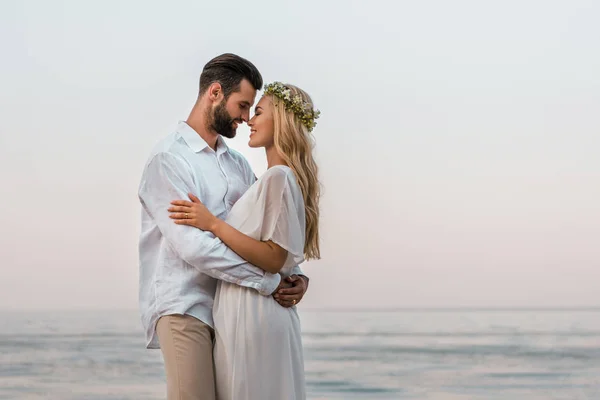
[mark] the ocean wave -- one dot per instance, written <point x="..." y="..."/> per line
<point x="466" y="334"/>
<point x="359" y="352"/>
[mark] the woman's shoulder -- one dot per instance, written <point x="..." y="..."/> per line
<point x="280" y="178"/>
<point x="277" y="173"/>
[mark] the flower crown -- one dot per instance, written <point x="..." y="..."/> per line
<point x="303" y="110"/>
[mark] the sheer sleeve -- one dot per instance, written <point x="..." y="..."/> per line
<point x="283" y="219"/>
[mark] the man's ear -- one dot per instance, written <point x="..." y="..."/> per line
<point x="215" y="91"/>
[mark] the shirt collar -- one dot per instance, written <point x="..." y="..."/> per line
<point x="221" y="145"/>
<point x="195" y="141"/>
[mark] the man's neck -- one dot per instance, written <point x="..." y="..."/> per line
<point x="198" y="122"/>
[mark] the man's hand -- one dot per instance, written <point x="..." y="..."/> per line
<point x="291" y="290"/>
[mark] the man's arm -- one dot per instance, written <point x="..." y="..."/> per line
<point x="167" y="178"/>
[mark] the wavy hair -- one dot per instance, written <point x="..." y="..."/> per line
<point x="295" y="144"/>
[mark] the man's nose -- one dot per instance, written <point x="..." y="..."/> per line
<point x="246" y="116"/>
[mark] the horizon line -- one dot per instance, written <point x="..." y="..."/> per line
<point x="351" y="309"/>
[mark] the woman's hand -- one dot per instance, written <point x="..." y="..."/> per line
<point x="192" y="213"/>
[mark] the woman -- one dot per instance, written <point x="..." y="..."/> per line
<point x="274" y="225"/>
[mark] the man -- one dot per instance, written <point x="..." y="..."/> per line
<point x="180" y="265"/>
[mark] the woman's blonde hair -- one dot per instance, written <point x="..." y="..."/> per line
<point x="295" y="144"/>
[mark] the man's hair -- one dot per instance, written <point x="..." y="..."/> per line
<point x="229" y="70"/>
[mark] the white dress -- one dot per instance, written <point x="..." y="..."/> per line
<point x="258" y="347"/>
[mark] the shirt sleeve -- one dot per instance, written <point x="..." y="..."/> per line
<point x="297" y="271"/>
<point x="167" y="178"/>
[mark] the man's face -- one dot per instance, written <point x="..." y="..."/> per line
<point x="228" y="114"/>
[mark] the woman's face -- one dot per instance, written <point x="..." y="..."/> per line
<point x="261" y="125"/>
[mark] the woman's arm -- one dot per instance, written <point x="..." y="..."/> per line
<point x="265" y="255"/>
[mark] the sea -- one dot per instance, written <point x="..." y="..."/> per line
<point x="447" y="354"/>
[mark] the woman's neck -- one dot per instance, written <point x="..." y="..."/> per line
<point x="273" y="157"/>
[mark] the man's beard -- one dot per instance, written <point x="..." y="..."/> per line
<point x="222" y="123"/>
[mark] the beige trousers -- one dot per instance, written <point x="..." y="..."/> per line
<point x="187" y="347"/>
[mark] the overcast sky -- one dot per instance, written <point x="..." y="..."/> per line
<point x="459" y="142"/>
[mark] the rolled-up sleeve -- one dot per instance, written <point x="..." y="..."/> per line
<point x="167" y="178"/>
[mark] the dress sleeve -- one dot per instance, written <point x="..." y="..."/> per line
<point x="283" y="215"/>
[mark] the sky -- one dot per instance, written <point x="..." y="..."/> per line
<point x="458" y="145"/>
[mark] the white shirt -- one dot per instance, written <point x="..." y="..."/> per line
<point x="179" y="263"/>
